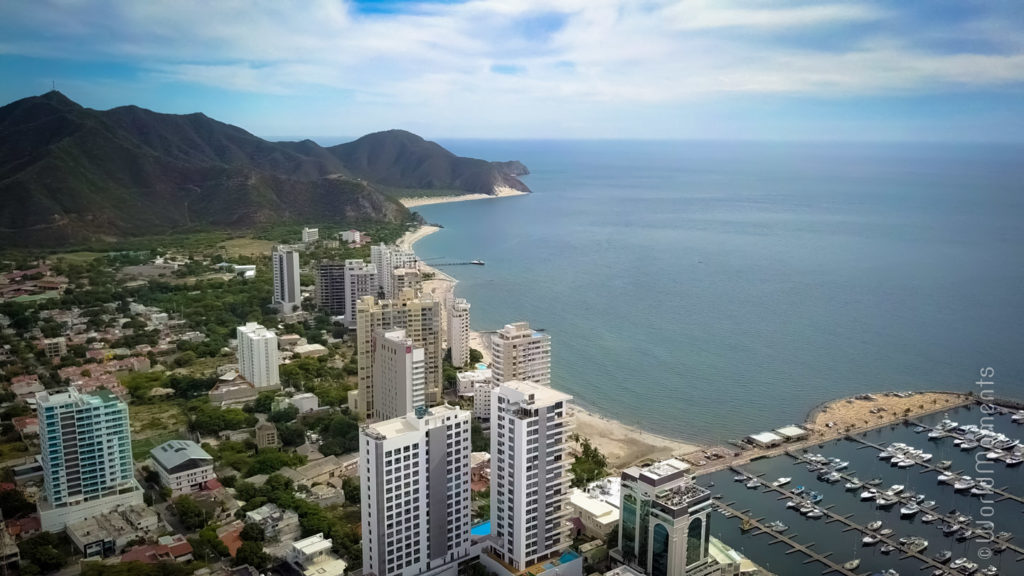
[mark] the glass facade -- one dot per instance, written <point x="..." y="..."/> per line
<point x="694" y="539"/>
<point x="628" y="526"/>
<point x="659" y="551"/>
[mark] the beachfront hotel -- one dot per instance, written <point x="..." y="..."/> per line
<point x="663" y="526"/>
<point x="258" y="358"/>
<point x="387" y="259"/>
<point x="287" y="297"/>
<point x="530" y="509"/>
<point x="458" y="331"/>
<point x="399" y="375"/>
<point x="420" y="317"/>
<point x="415" y="490"/>
<point x="520" y="353"/>
<point x="86" y="454"/>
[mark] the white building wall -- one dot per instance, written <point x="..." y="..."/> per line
<point x="399" y="385"/>
<point x="187" y="481"/>
<point x="258" y="357"/>
<point x="458" y="331"/>
<point x="520" y="353"/>
<point x="360" y="280"/>
<point x="287" y="296"/>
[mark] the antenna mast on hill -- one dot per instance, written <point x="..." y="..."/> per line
<point x="53" y="84"/>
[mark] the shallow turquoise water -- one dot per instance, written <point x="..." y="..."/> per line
<point x="711" y="290"/>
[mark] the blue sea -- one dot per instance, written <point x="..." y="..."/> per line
<point x="707" y="290"/>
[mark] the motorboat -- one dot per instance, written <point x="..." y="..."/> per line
<point x="909" y="510"/>
<point x="777" y="526"/>
<point x="916" y="545"/>
<point x="964" y="534"/>
<point x="946" y="477"/>
<point x="926" y="457"/>
<point x="944" y="464"/>
<point x="928" y="504"/>
<point x="903" y="462"/>
<point x="739" y="478"/>
<point x="875" y="525"/>
<point x="886" y="500"/>
<point x="1004" y="535"/>
<point x="815" y="497"/>
<point x="981" y="490"/>
<point x="852" y="564"/>
<point x="950" y="529"/>
<point x="1013" y="460"/>
<point x="929" y="518"/>
<point x="875" y="482"/>
<point x="895" y="489"/>
<point x="919" y="429"/>
<point x="989" y="570"/>
<point x="885" y="455"/>
<point x="969" y="445"/>
<point x="869" y="494"/>
<point x="964" y="483"/>
<point x="798" y="490"/>
<point x="942" y="557"/>
<point x="782" y="481"/>
<point x="886" y="548"/>
<point x="853" y="484"/>
<point x="753" y="483"/>
<point x="885" y="532"/>
<point x="870" y="540"/>
<point x="806" y="508"/>
<point x="833" y="478"/>
<point x="919" y="498"/>
<point x="815" y="513"/>
<point x="840" y="465"/>
<point x="794" y="503"/>
<point x="995" y="455"/>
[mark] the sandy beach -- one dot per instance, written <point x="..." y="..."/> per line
<point x="499" y="192"/>
<point x="849" y="414"/>
<point x="441" y="285"/>
<point x="625" y="445"/>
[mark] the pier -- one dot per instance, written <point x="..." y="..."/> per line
<point x="851" y="525"/>
<point x="794" y="546"/>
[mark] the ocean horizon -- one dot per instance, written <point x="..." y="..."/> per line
<point x="708" y="290"/>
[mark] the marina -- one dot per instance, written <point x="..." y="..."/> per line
<point x="924" y="526"/>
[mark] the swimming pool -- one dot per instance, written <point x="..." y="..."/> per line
<point x="482" y="529"/>
<point x="481" y="366"/>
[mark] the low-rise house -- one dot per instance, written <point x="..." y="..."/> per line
<point x="313" y="557"/>
<point x="266" y="435"/>
<point x="309" y="350"/>
<point x="597" y="517"/>
<point x="107" y="534"/>
<point x="183" y="466"/>
<point x="277" y="524"/>
<point x="324" y="470"/>
<point x="305" y="402"/>
<point x="26" y="426"/>
<point x="168" y="548"/>
<point x="232" y="390"/>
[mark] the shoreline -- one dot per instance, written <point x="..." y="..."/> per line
<point x="499" y="192"/>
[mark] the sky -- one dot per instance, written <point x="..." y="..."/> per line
<point x="905" y="70"/>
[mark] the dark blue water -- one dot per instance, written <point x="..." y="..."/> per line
<point x="710" y="290"/>
<point x="864" y="463"/>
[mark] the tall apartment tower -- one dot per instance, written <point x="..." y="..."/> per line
<point x="519" y="353"/>
<point x="330" y="286"/>
<point x="458" y="331"/>
<point x="310" y="234"/>
<point x="86" y="456"/>
<point x="663" y="528"/>
<point x="258" y="358"/>
<point x="387" y="259"/>
<point x="420" y="317"/>
<point x="530" y="427"/>
<point x="287" y="297"/>
<point x="399" y="375"/>
<point x="406" y="278"/>
<point x="360" y="280"/>
<point x="414" y="478"/>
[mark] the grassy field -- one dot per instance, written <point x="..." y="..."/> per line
<point x="154" y="424"/>
<point x="77" y="257"/>
<point x="245" y="247"/>
<point x="13" y="450"/>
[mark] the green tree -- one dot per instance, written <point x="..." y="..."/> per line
<point x="252" y="532"/>
<point x="191" y="515"/>
<point x="42" y="551"/>
<point x="264" y="402"/>
<point x="252" y="553"/>
<point x="350" y="486"/>
<point x="589" y="466"/>
<point x="475" y="356"/>
<point x="480" y="440"/>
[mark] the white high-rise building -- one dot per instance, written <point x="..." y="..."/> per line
<point x="310" y="234"/>
<point x="415" y="483"/>
<point x="530" y="427"/>
<point x="86" y="453"/>
<point x="258" y="358"/>
<point x="399" y="375"/>
<point x="387" y="259"/>
<point x="458" y="331"/>
<point x="519" y="353"/>
<point x="287" y="297"/>
<point x="360" y="280"/>
<point x="420" y="317"/>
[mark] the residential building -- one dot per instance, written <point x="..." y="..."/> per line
<point x="167" y="549"/>
<point x="309" y="350"/>
<point x="183" y="466"/>
<point x="663" y="530"/>
<point x="406" y="278"/>
<point x="597" y="516"/>
<point x="351" y="236"/>
<point x="387" y="259"/>
<point x="108" y="533"/>
<point x="277" y="524"/>
<point x="415" y="484"/>
<point x="86" y="455"/>
<point x="287" y="296"/>
<point x="310" y="235"/>
<point x="479" y="385"/>
<point x="519" y="353"/>
<point x="360" y="280"/>
<point x="420" y="317"/>
<point x="530" y="476"/>
<point x="329" y="470"/>
<point x="313" y="557"/>
<point x="266" y="435"/>
<point x="258" y="357"/>
<point x="399" y="375"/>
<point x="330" y="287"/>
<point x="55" y="347"/>
<point x="458" y="331"/>
<point x="305" y="402"/>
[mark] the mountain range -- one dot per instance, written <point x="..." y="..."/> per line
<point x="70" y="174"/>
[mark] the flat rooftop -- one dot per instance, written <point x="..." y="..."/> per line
<point x="405" y="424"/>
<point x="541" y="394"/>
